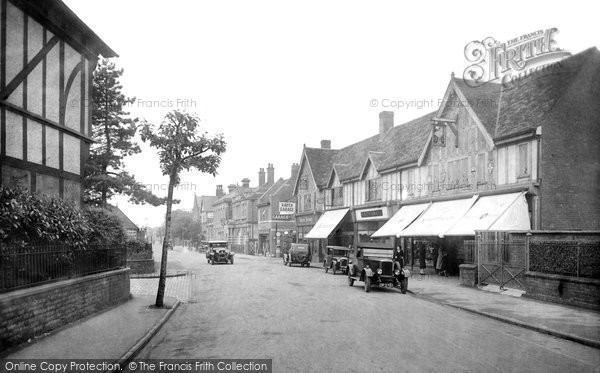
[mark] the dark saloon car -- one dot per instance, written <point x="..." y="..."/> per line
<point x="218" y="253"/>
<point x="375" y="267"/>
<point x="337" y="259"/>
<point x="298" y="253"/>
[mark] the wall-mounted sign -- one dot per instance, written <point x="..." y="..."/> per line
<point x="282" y="217"/>
<point x="379" y="213"/>
<point x="305" y="220"/>
<point x="287" y="208"/>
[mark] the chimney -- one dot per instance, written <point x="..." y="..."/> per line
<point x="270" y="174"/>
<point x="219" y="191"/>
<point x="295" y="169"/>
<point x="325" y="144"/>
<point x="245" y="183"/>
<point x="261" y="177"/>
<point x="386" y="122"/>
<point x="231" y="187"/>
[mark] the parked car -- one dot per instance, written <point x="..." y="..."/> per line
<point x="337" y="259"/>
<point x="218" y="253"/>
<point x="297" y="253"/>
<point x="374" y="266"/>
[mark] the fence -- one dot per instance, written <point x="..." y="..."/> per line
<point x="27" y="266"/>
<point x="569" y="258"/>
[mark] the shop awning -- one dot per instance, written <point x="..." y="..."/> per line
<point x="439" y="218"/>
<point x="327" y="223"/>
<point x="501" y="212"/>
<point x="404" y="216"/>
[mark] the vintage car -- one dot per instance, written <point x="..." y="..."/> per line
<point x="375" y="267"/>
<point x="218" y="253"/>
<point x="337" y="259"/>
<point x="297" y="253"/>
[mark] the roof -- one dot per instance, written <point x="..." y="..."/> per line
<point x="205" y="203"/>
<point x="524" y="105"/>
<point x="125" y="221"/>
<point x="401" y="145"/>
<point x="62" y="21"/>
<point x="265" y="198"/>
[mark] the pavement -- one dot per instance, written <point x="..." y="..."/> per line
<point x="115" y="334"/>
<point x="572" y="323"/>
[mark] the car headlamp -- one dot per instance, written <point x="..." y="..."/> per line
<point x="397" y="272"/>
<point x="379" y="271"/>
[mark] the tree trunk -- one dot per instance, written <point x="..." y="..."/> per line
<point x="160" y="295"/>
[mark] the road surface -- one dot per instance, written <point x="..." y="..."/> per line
<point x="309" y="321"/>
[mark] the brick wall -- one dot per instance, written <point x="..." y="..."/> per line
<point x="139" y="266"/>
<point x="468" y="275"/>
<point x="563" y="289"/>
<point x="570" y="155"/>
<point x="29" y="312"/>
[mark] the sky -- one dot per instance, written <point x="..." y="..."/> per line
<point x="273" y="76"/>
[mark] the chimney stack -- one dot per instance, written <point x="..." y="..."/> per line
<point x="231" y="187"/>
<point x="220" y="191"/>
<point x="295" y="169"/>
<point x="386" y="122"/>
<point x="261" y="177"/>
<point x="245" y="183"/>
<point x="270" y="174"/>
<point x="325" y="144"/>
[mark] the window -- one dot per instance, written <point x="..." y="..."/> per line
<point x="337" y="195"/>
<point x="373" y="189"/>
<point x="523" y="170"/>
<point x="480" y="168"/>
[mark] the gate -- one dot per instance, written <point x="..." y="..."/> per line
<point x="501" y="261"/>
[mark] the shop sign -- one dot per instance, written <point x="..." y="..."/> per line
<point x="287" y="208"/>
<point x="305" y="220"/>
<point x="380" y="213"/>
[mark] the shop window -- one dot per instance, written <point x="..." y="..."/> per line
<point x="523" y="170"/>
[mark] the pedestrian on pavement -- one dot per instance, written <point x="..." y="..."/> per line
<point x="444" y="263"/>
<point x="438" y="265"/>
<point x="422" y="263"/>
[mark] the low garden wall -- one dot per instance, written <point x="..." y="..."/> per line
<point x="33" y="311"/>
<point x="139" y="257"/>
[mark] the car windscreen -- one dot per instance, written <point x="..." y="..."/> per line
<point x="340" y="252"/>
<point x="219" y="245"/>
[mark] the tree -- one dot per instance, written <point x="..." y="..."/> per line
<point x="181" y="147"/>
<point x="113" y="132"/>
<point x="184" y="226"/>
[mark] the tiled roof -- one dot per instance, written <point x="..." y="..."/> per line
<point x="206" y="202"/>
<point x="270" y="191"/>
<point x="320" y="161"/>
<point x="524" y="105"/>
<point x="127" y="223"/>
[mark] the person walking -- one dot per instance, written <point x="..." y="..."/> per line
<point x="422" y="256"/>
<point x="444" y="263"/>
<point x="438" y="265"/>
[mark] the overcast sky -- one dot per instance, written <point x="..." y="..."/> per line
<point x="274" y="75"/>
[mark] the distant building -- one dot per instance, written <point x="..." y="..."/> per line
<point x="276" y="228"/>
<point x="203" y="214"/>
<point x="47" y="58"/>
<point x="131" y="229"/>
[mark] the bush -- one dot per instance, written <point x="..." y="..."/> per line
<point x="137" y="249"/>
<point x="30" y="218"/>
<point x="105" y="227"/>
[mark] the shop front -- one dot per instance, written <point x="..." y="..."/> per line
<point x="323" y="229"/>
<point x="433" y="234"/>
<point x="367" y="222"/>
<point x="304" y="224"/>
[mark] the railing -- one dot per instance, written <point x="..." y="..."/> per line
<point x="28" y="266"/>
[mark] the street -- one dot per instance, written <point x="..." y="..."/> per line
<point x="309" y="321"/>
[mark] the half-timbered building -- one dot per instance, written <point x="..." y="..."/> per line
<point x="47" y="57"/>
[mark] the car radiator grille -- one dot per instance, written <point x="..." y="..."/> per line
<point x="387" y="268"/>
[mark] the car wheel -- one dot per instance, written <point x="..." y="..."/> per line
<point x="350" y="281"/>
<point x="367" y="284"/>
